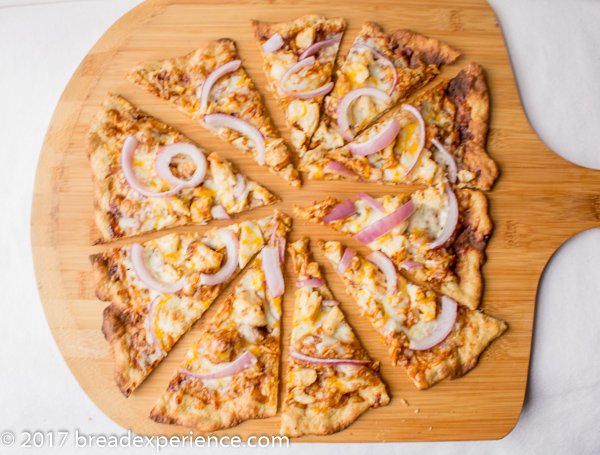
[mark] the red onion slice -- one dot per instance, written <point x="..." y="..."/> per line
<point x="347" y="257"/>
<point x="386" y="61"/>
<point x="329" y="303"/>
<point x="247" y="359"/>
<point x="410" y="264"/>
<point x="384" y="138"/>
<point x="305" y="358"/>
<point x="310" y="61"/>
<point x="232" y="245"/>
<point x="448" y="159"/>
<point x="312" y="282"/>
<point x="345" y="102"/>
<point x="150" y="327"/>
<point x="417" y="114"/>
<point x="240" y="186"/>
<point x="385" y="224"/>
<point x="282" y="243"/>
<point x="446" y="322"/>
<point x="213" y="77"/>
<point x="164" y="157"/>
<point x="342" y="210"/>
<point x="218" y="212"/>
<point x="145" y="275"/>
<point x="272" y="271"/>
<point x="451" y="220"/>
<point x="387" y="267"/>
<point x="336" y="167"/>
<point x="273" y="44"/>
<point x="314" y="48"/>
<point x="129" y="147"/>
<point x="372" y="202"/>
<point x="242" y="127"/>
<point x="273" y="236"/>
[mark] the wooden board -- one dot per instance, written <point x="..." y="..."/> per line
<point x="528" y="207"/>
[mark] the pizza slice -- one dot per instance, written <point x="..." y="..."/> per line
<point x="211" y="86"/>
<point x="231" y="373"/>
<point x="435" y="236"/>
<point x="380" y="71"/>
<point x="331" y="380"/>
<point x="148" y="176"/>
<point x="454" y="116"/>
<point x="160" y="288"/>
<point x="429" y="335"/>
<point x="298" y="59"/>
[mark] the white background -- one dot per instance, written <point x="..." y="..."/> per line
<point x="554" y="48"/>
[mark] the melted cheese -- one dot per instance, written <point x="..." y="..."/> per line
<point x="388" y="313"/>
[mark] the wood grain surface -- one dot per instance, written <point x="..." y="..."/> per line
<point x="539" y="202"/>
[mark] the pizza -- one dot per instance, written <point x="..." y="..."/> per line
<point x="437" y="136"/>
<point x="147" y="176"/>
<point x="231" y="372"/>
<point x="456" y="113"/>
<point x="331" y="379"/>
<point x="363" y="117"/>
<point x="380" y="71"/>
<point x="436" y="236"/>
<point x="211" y="86"/>
<point x="298" y="59"/>
<point x="429" y="335"/>
<point x="158" y="289"/>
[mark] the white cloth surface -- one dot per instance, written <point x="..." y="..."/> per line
<point x="554" y="49"/>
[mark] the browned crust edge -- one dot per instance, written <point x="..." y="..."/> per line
<point x="413" y="46"/>
<point x="469" y="93"/>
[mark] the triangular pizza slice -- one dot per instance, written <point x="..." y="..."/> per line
<point x="454" y="116"/>
<point x="298" y="59"/>
<point x="158" y="289"/>
<point x="148" y="176"/>
<point x="231" y="372"/>
<point x="380" y="71"/>
<point x="435" y="236"/>
<point x="211" y="86"/>
<point x="331" y="380"/>
<point x="430" y="336"/>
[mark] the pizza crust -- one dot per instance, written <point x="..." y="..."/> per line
<point x="115" y="201"/>
<point x="125" y="319"/>
<point x="473" y="331"/>
<point x="177" y="80"/>
<point x="468" y="248"/>
<point x="417" y="60"/>
<point x="323" y="399"/>
<point x="457" y="354"/>
<point x="302" y="115"/>
<point x="469" y="92"/>
<point x="248" y="321"/>
<point x="462" y="279"/>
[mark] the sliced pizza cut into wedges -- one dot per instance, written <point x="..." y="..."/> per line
<point x="148" y="176"/>
<point x="211" y="86"/>
<point x="231" y="373"/>
<point x="435" y="236"/>
<point x="454" y="116"/>
<point x="430" y="336"/>
<point x="380" y="71"/>
<point x="298" y="59"/>
<point x="158" y="289"/>
<point x="331" y="380"/>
